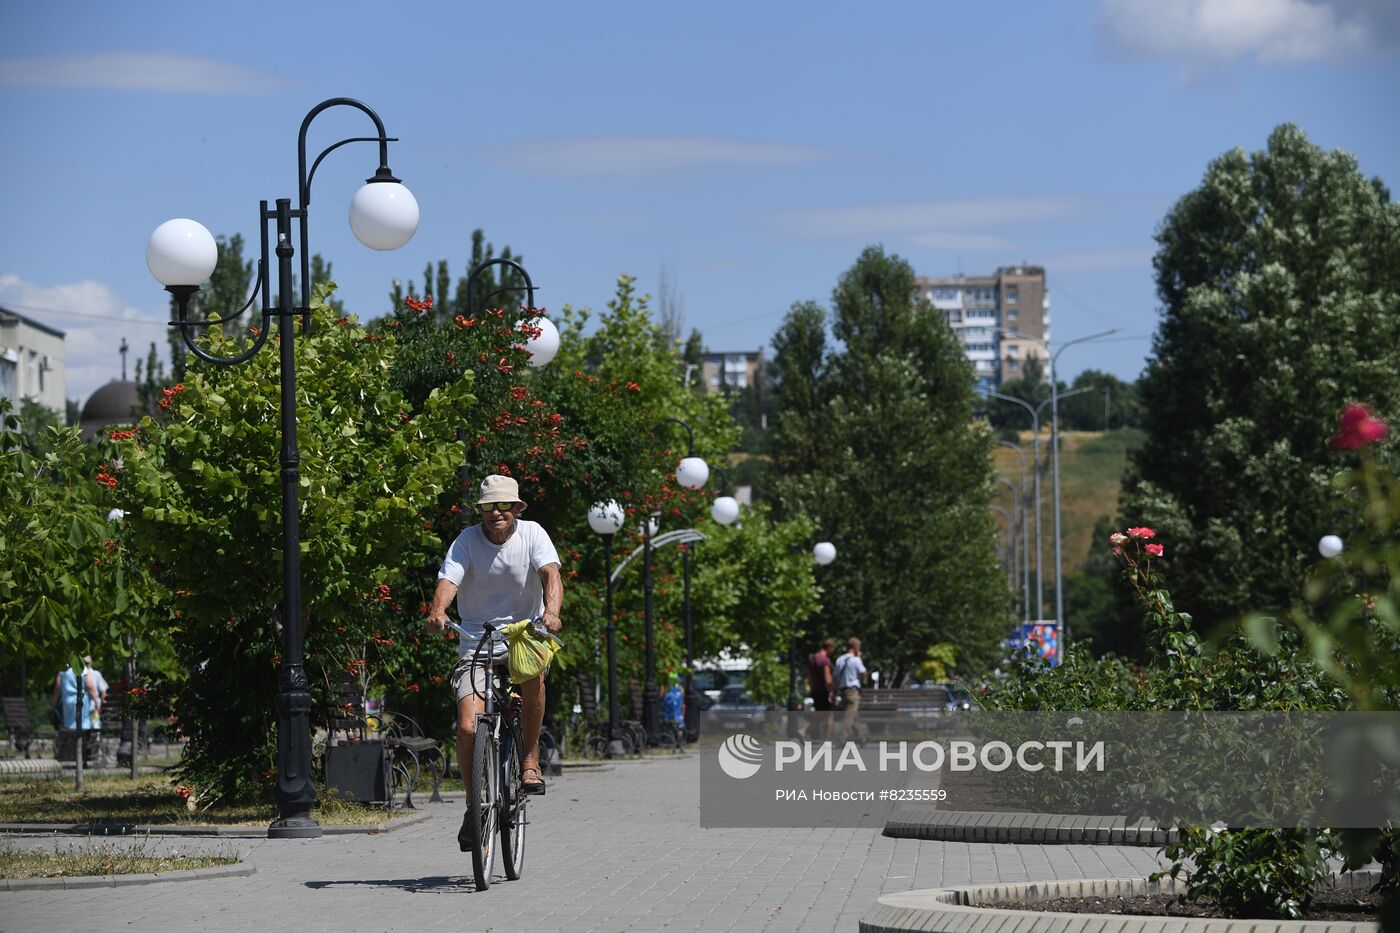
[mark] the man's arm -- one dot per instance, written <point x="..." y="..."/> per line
<point x="442" y="598"/>
<point x="826" y="673"/>
<point x="553" y="582"/>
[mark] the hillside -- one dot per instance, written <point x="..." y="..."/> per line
<point x="1091" y="472"/>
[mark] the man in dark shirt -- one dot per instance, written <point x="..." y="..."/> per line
<point x="819" y="676"/>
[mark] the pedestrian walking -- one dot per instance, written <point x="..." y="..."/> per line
<point x="850" y="675"/>
<point x="819" y="681"/>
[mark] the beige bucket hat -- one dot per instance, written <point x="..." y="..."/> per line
<point x="497" y="488"/>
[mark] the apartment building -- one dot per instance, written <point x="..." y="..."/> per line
<point x="994" y="316"/>
<point x="31" y="362"/>
<point x="733" y="370"/>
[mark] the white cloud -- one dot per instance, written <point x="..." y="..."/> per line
<point x="971" y="242"/>
<point x="137" y="71"/>
<point x="1204" y="34"/>
<point x="653" y="155"/>
<point x="90" y="341"/>
<point x="922" y="216"/>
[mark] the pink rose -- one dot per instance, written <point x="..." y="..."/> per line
<point x="1118" y="538"/>
<point x="1142" y="532"/>
<point x="1358" y="428"/>
<point x="1156" y="550"/>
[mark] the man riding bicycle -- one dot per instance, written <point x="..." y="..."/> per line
<point x="500" y="571"/>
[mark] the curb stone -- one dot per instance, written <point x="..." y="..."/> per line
<point x="234" y="832"/>
<point x="956" y="910"/>
<point x="1023" y="828"/>
<point x="240" y="870"/>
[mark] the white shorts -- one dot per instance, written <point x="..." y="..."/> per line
<point x="469" y="679"/>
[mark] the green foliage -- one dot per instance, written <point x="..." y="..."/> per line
<point x="1244" y="872"/>
<point x="1280" y="302"/>
<point x="876" y="442"/>
<point x="1263" y="873"/>
<point x="1349" y="618"/>
<point x="67" y="584"/>
<point x="1107" y="395"/>
<point x="35" y="421"/>
<point x="939" y="661"/>
<point x="203" y="495"/>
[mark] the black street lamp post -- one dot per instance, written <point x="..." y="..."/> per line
<point x="181" y="254"/>
<point x="692" y="472"/>
<point x="606" y="518"/>
<point x="823" y="552"/>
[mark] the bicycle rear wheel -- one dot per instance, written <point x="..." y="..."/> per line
<point x="483" y="803"/>
<point x="512" y="804"/>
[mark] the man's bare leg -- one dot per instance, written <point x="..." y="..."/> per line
<point x="531" y="716"/>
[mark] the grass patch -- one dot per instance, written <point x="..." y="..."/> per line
<point x="148" y="800"/>
<point x="101" y="860"/>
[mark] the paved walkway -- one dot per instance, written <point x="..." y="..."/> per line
<point x="616" y="849"/>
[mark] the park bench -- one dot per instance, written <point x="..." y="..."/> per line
<point x="19" y="729"/>
<point x="373" y="759"/>
<point x="904" y="698"/>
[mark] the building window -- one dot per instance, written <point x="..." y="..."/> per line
<point x="1013" y="365"/>
<point x="8" y="369"/>
<point x="1012" y="293"/>
<point x="1012" y="315"/>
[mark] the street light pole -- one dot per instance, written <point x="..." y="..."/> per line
<point x="606" y="518"/>
<point x="1018" y="509"/>
<point x="1055" y="453"/>
<point x="1025" y="540"/>
<point x="1035" y="473"/>
<point x="692" y="472"/>
<point x="182" y="255"/>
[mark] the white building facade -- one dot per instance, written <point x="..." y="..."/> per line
<point x="31" y="362"/>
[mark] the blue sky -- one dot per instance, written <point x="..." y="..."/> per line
<point x="752" y="149"/>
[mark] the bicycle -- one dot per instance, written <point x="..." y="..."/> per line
<point x="494" y="798"/>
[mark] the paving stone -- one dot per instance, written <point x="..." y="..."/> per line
<point x="628" y="855"/>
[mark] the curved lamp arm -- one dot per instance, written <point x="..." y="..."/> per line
<point x="183" y="293"/>
<point x="528" y="287"/>
<point x="304" y="189"/>
<point x="690" y="435"/>
<point x="304" y="179"/>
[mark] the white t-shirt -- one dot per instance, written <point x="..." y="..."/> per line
<point x="497" y="583"/>
<point x="848" y="671"/>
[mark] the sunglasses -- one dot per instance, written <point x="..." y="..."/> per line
<point x="495" y="506"/>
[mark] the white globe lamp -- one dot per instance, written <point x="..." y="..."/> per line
<point x="725" y="510"/>
<point x="1329" y="546"/>
<point x="824" y="553"/>
<point x="543" y="348"/>
<point x="692" y="473"/>
<point x="384" y="215"/>
<point x="606" y="518"/>
<point x="181" y="252"/>
<point x="651" y="527"/>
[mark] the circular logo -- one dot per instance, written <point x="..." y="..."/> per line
<point x="740" y="756"/>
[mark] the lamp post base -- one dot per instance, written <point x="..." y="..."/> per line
<point x="615" y="749"/>
<point x="297" y="826"/>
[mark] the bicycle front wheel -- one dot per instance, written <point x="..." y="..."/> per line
<point x="512" y="804"/>
<point x="483" y="803"/>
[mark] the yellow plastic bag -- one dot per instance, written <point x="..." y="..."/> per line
<point x="528" y="654"/>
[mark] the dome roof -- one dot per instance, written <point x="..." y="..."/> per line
<point x="118" y="402"/>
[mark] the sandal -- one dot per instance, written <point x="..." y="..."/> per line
<point x="528" y="786"/>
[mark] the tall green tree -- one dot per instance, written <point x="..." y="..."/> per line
<point x="1278" y="282"/>
<point x="1109" y="404"/>
<point x="876" y="443"/>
